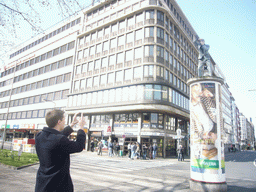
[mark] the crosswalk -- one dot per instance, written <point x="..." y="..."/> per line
<point x="115" y="164"/>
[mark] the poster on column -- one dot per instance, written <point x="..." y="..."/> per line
<point x="204" y="147"/>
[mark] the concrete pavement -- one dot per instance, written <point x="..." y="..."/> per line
<point x="91" y="172"/>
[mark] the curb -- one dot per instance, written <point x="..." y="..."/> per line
<point x="17" y="168"/>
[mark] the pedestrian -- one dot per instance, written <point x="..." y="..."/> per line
<point x="150" y="150"/>
<point x="53" y="149"/>
<point x="114" y="148"/>
<point x="180" y="153"/>
<point x="133" y="149"/>
<point x="145" y="149"/>
<point x="100" y="146"/>
<point x="110" y="148"/>
<point x="154" y="150"/>
<point x="92" y="145"/>
<point x="137" y="152"/>
<point x="129" y="150"/>
<point x="117" y="149"/>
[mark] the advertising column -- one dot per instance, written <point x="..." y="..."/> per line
<point x="207" y="150"/>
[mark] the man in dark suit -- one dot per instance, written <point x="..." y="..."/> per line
<point x="53" y="149"/>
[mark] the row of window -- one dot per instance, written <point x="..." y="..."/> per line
<point x="139" y="34"/>
<point x="53" y="96"/>
<point x="137" y="19"/>
<point x="39" y="58"/>
<point x="24" y="114"/>
<point x="127" y="58"/>
<point x="127" y="75"/>
<point x="48" y="36"/>
<point x="127" y="40"/>
<point x="44" y="69"/>
<point x="133" y="93"/>
<point x="37" y="85"/>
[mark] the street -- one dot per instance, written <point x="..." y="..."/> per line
<point x="91" y="172"/>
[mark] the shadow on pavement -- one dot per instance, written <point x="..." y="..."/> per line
<point x="240" y="189"/>
<point x="240" y="156"/>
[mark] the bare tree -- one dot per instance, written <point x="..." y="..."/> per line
<point x="18" y="17"/>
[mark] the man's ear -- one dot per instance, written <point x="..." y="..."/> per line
<point x="59" y="121"/>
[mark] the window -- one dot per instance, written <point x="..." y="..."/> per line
<point x="121" y="40"/>
<point x="96" y="81"/>
<point x="91" y="66"/>
<point x="59" y="79"/>
<point x="120" y="57"/>
<point x="111" y="78"/>
<point x="149" y="51"/>
<point x="84" y="68"/>
<point x="97" y="64"/>
<point x="130" y="21"/>
<point x="157" y="92"/>
<point x="149" y="92"/>
<point x="106" y="46"/>
<point x="112" y="60"/>
<point x="119" y="76"/>
<point x="128" y="55"/>
<point x="100" y="33"/>
<point x="150" y="14"/>
<point x="160" y="16"/>
<point x="139" y="18"/>
<point x="107" y="31"/>
<point x="114" y="28"/>
<point x="130" y="37"/>
<point x="104" y="62"/>
<point x="149" y="32"/>
<point x="78" y="69"/>
<point x="160" y="51"/>
<point x="113" y="43"/>
<point x="138" y="53"/>
<point x="138" y="72"/>
<point x="122" y="25"/>
<point x="139" y="35"/>
<point x="148" y="70"/>
<point x="160" y="33"/>
<point x="89" y="82"/>
<point x="103" y="79"/>
<point x="99" y="48"/>
<point x="128" y="74"/>
<point x="92" y="50"/>
<point x="93" y="37"/>
<point x="86" y="52"/>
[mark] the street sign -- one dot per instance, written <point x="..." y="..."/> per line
<point x="123" y="136"/>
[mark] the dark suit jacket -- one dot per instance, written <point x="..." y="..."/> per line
<point x="53" y="149"/>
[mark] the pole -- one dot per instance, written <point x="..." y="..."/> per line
<point x="8" y="109"/>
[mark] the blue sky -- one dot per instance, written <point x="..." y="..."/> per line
<point x="229" y="27"/>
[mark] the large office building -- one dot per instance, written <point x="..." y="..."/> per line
<point x="132" y="61"/>
<point x="37" y="78"/>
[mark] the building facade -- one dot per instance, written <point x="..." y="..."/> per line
<point x="131" y="66"/>
<point x="37" y="78"/>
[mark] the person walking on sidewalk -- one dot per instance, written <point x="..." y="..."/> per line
<point x="150" y="150"/>
<point x="154" y="150"/>
<point x="133" y="149"/>
<point x="117" y="149"/>
<point x="100" y="146"/>
<point x="180" y="153"/>
<point x="144" y="149"/>
<point x="92" y="146"/>
<point x="110" y="149"/>
<point x="53" y="149"/>
<point x="129" y="150"/>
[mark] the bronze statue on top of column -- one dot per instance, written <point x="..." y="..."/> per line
<point x="205" y="67"/>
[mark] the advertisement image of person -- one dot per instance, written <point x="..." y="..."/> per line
<point x="203" y="124"/>
<point x="53" y="149"/>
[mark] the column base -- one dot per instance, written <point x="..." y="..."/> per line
<point x="207" y="187"/>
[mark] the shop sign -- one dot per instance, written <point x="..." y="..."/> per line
<point x="27" y="126"/>
<point x="7" y="126"/>
<point x="152" y="134"/>
<point x="96" y="133"/>
<point x="16" y="126"/>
